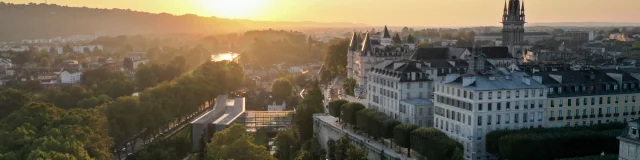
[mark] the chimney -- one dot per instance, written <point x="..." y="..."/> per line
<point x="419" y="65"/>
<point x="491" y="77"/>
<point x="413" y="76"/>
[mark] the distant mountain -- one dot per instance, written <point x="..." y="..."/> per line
<point x="586" y="24"/>
<point x="29" y="21"/>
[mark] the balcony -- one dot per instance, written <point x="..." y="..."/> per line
<point x="633" y="113"/>
<point x="576" y="117"/>
<point x="552" y="118"/>
<point x="625" y="113"/>
<point x="616" y="114"/>
<point x="560" y="118"/>
<point x="592" y="116"/>
<point x="569" y="117"/>
<point x="600" y="115"/>
<point x="608" y="115"/>
<point x="584" y="116"/>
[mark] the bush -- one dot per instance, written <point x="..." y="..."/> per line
<point x="492" y="138"/>
<point x="598" y="157"/>
<point x="335" y="107"/>
<point x="554" y="145"/>
<point x="349" y="111"/>
<point x="434" y="144"/>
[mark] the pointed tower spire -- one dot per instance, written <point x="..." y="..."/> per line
<point x="522" y="9"/>
<point x="353" y="45"/>
<point x="505" y="7"/>
<point x="366" y="44"/>
<point x="386" y="32"/>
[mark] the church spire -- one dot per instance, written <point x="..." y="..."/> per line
<point x="522" y="9"/>
<point x="505" y="8"/>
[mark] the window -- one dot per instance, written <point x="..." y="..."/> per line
<point x="561" y="103"/>
<point x="479" y="120"/>
<point x="489" y="107"/>
<point x="499" y="94"/>
<point x="526" y="93"/>
<point x="489" y="95"/>
<point x="552" y="114"/>
<point x="489" y="120"/>
<point x="507" y="118"/>
<point x="480" y="95"/>
<point x="608" y="110"/>
<point x="409" y="86"/>
<point x="608" y="100"/>
<point x="616" y="99"/>
<point x="553" y="103"/>
<point x="469" y="119"/>
<point x="498" y="119"/>
<point x="517" y="105"/>
<point x="633" y="98"/>
<point x="508" y="94"/>
<point x="568" y="113"/>
<point x="480" y="107"/>
<point x="593" y="100"/>
<point x="578" y="102"/>
<point x="615" y="110"/>
<point x="568" y="102"/>
<point x="516" y="117"/>
<point x="499" y="106"/>
<point x="560" y="113"/>
<point x="524" y="117"/>
<point x="600" y="102"/>
<point x="420" y="84"/>
<point x="592" y="111"/>
<point x="517" y="94"/>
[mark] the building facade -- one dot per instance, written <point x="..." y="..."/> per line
<point x="70" y="77"/>
<point x="630" y="142"/>
<point x="364" y="53"/>
<point x="589" y="97"/>
<point x="402" y="90"/>
<point x="469" y="106"/>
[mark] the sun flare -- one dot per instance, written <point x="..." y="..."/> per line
<point x="233" y="8"/>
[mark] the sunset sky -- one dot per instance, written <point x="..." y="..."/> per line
<point x="380" y="12"/>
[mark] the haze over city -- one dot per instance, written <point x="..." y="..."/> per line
<point x="438" y="13"/>
<point x="320" y="79"/>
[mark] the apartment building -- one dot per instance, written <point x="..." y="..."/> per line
<point x="588" y="97"/>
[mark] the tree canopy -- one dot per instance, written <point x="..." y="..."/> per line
<point x="282" y="88"/>
<point x="43" y="131"/>
<point x="235" y="143"/>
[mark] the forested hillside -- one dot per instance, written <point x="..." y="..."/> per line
<point x="28" y="21"/>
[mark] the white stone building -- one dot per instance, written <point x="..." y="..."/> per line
<point x="401" y="90"/>
<point x="630" y="142"/>
<point x="70" y="76"/>
<point x="364" y="53"/>
<point x="469" y="106"/>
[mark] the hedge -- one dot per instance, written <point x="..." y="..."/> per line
<point x="434" y="144"/>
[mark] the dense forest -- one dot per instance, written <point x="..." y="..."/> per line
<point x="28" y="21"/>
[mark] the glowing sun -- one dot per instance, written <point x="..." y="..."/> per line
<point x="233" y="8"/>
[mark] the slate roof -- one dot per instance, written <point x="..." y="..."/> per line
<point x="494" y="52"/>
<point x="431" y="53"/>
<point x="525" y="34"/>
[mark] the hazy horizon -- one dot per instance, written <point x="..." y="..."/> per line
<point x="435" y="13"/>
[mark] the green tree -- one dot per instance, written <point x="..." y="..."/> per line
<point x="12" y="100"/>
<point x="335" y="60"/>
<point x="401" y="136"/>
<point x="334" y="107"/>
<point x="43" y="131"/>
<point x="284" y="143"/>
<point x="311" y="104"/>
<point x="227" y="143"/>
<point x="424" y="45"/>
<point x="281" y="88"/>
<point x="349" y="111"/>
<point x="356" y="154"/>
